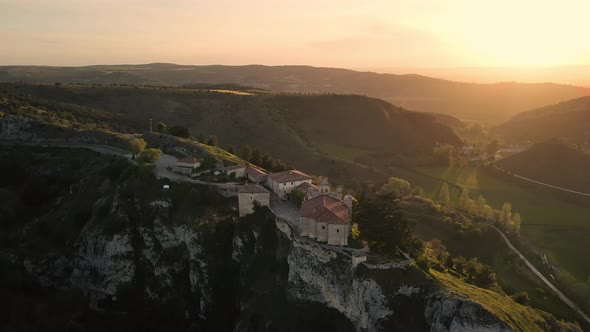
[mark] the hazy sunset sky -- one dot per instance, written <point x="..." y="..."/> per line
<point x="337" y="33"/>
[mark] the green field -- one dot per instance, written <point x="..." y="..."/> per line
<point x="512" y="275"/>
<point x="559" y="227"/>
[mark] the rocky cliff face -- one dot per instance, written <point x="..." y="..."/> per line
<point x="163" y="263"/>
<point x="180" y="259"/>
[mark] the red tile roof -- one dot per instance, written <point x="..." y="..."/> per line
<point x="289" y="176"/>
<point x="252" y="188"/>
<point x="325" y="208"/>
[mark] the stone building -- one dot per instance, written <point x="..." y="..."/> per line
<point x="283" y="183"/>
<point x="327" y="219"/>
<point x="256" y="174"/>
<point x="238" y="170"/>
<point x="187" y="165"/>
<point x="248" y="195"/>
<point x="323" y="185"/>
<point x="309" y="189"/>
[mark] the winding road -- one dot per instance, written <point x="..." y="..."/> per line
<point x="549" y="185"/>
<point x="564" y="298"/>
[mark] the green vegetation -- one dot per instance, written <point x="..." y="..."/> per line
<point x="180" y="131"/>
<point x="306" y="124"/>
<point x="555" y="162"/>
<point x="519" y="317"/>
<point x="382" y="224"/>
<point x="150" y="156"/>
<point x="567" y="120"/>
<point x="137" y="146"/>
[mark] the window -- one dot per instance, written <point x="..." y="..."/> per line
<point x="323" y="227"/>
<point x="337" y="231"/>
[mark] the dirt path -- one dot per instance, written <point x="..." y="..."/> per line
<point x="564" y="298"/>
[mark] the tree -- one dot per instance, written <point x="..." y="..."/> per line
<point x="201" y="138"/>
<point x="256" y="158"/>
<point x="180" y="131"/>
<point x="267" y="162"/>
<point x="212" y="140"/>
<point x="381" y="222"/>
<point x="464" y="199"/>
<point x="483" y="209"/>
<point x="492" y="147"/>
<point x="521" y="298"/>
<point x="150" y="156"/>
<point x="354" y="231"/>
<point x="298" y="196"/>
<point x="396" y="186"/>
<point x="444" y="155"/>
<point x="505" y="215"/>
<point x="280" y="166"/>
<point x="161" y="128"/>
<point x="137" y="145"/>
<point x="246" y="153"/>
<point x="231" y="149"/>
<point x="515" y="224"/>
<point x="443" y="196"/>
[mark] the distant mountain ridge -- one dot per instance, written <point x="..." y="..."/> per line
<point x="484" y="102"/>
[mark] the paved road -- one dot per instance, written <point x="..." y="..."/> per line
<point x="564" y="298"/>
<point x="287" y="211"/>
<point x="552" y="186"/>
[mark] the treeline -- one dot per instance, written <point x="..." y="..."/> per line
<point x="260" y="159"/>
<point x="380" y="222"/>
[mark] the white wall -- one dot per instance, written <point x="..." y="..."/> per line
<point x="338" y="234"/>
<point x="246" y="202"/>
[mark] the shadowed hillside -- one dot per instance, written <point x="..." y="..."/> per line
<point x="312" y="132"/>
<point x="569" y="120"/>
<point x="555" y="163"/>
<point x="488" y="102"/>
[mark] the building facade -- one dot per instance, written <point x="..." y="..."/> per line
<point x="186" y="165"/>
<point x="283" y="183"/>
<point x="238" y="170"/>
<point x="326" y="219"/>
<point x="249" y="195"/>
<point x="256" y="174"/>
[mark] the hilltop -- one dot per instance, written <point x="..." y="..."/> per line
<point x="483" y="102"/>
<point x="569" y="120"/>
<point x="106" y="248"/>
<point x="325" y="134"/>
<point x="554" y="162"/>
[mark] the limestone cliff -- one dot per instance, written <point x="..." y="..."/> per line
<point x="180" y="259"/>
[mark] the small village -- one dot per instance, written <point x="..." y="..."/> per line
<point x="325" y="214"/>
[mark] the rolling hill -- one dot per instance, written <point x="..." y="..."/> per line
<point x="482" y="102"/>
<point x="569" y="120"/>
<point x="324" y="134"/>
<point x="555" y="162"/>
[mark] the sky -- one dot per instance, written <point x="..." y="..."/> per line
<point x="386" y="35"/>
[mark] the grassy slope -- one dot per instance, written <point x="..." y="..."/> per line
<point x="569" y="120"/>
<point x="556" y="163"/>
<point x="558" y="226"/>
<point x="519" y="317"/>
<point x="491" y="102"/>
<point x="512" y="275"/>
